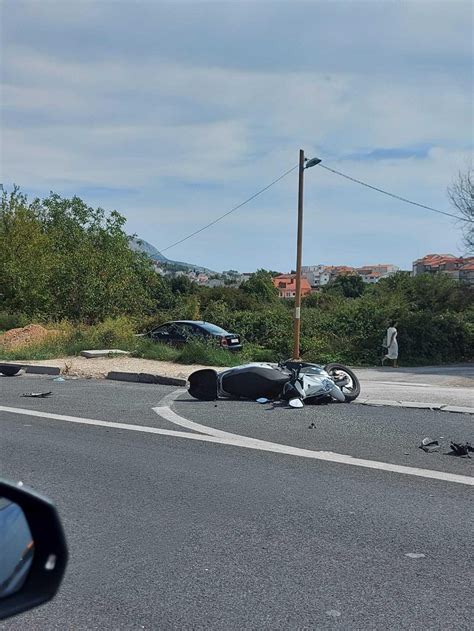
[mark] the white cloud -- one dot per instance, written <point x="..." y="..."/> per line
<point x="191" y="136"/>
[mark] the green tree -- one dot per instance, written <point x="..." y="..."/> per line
<point x="261" y="286"/>
<point x="63" y="259"/>
<point x="25" y="261"/>
<point x="348" y="285"/>
<point x="183" y="285"/>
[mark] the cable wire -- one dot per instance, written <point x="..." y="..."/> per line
<point x="403" y="199"/>
<point x="230" y="211"/>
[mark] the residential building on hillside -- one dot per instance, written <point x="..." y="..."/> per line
<point x="215" y="282"/>
<point x="320" y="275"/>
<point x="373" y="273"/>
<point x="339" y="270"/>
<point x="286" y="285"/>
<point x="316" y="275"/>
<point x="430" y="264"/>
<point x="466" y="273"/>
<point x="202" y="279"/>
<point x="457" y="267"/>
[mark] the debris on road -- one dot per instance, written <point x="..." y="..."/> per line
<point x="37" y="395"/>
<point x="263" y="400"/>
<point x="461" y="449"/>
<point x="429" y="445"/>
<point x="10" y="370"/>
<point x="59" y="379"/>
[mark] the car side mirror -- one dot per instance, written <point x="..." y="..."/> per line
<point x="33" y="550"/>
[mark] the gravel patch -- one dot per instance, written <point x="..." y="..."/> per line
<point x="98" y="368"/>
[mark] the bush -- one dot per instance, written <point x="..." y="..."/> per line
<point x="435" y="317"/>
<point x="255" y="353"/>
<point x="112" y="332"/>
<point x="12" y="320"/>
<point x="207" y="354"/>
<point x="148" y="349"/>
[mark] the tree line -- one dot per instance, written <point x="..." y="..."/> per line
<point x="60" y="259"/>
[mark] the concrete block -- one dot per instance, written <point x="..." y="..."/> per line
<point x="144" y="377"/>
<point x="123" y="376"/>
<point x="380" y="402"/>
<point x="43" y="370"/>
<point x="421" y="405"/>
<point x="457" y="408"/>
<point x="103" y="353"/>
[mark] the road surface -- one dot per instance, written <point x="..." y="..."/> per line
<point x="171" y="532"/>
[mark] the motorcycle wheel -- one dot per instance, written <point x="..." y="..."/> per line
<point x="350" y="391"/>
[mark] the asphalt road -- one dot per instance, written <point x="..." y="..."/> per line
<point x="166" y="532"/>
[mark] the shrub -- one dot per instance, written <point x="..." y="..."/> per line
<point x="112" y="332"/>
<point x="207" y="354"/>
<point x="148" y="349"/>
<point x="12" y="320"/>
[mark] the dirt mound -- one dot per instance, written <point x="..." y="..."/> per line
<point x="31" y="334"/>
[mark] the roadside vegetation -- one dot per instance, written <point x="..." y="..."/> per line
<point x="69" y="267"/>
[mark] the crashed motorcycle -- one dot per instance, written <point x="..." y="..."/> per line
<point x="292" y="381"/>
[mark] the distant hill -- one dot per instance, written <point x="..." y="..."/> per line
<point x="140" y="245"/>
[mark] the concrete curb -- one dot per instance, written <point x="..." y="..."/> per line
<point x="143" y="377"/>
<point x="42" y="370"/>
<point x="442" y="407"/>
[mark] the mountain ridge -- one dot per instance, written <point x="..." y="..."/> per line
<point x="137" y="244"/>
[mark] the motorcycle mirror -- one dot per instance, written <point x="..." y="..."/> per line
<point x="295" y="403"/>
<point x="32" y="547"/>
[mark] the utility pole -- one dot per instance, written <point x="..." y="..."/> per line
<point x="299" y="249"/>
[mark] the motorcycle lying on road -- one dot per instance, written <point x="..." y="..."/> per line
<point x="292" y="381"/>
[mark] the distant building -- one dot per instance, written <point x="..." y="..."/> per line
<point x="286" y="285"/>
<point x="215" y="282"/>
<point x="202" y="279"/>
<point x="458" y="268"/>
<point x="373" y="273"/>
<point x="320" y="275"/>
<point x="466" y="273"/>
<point x="316" y="275"/>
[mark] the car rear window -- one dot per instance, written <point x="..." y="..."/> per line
<point x="212" y="328"/>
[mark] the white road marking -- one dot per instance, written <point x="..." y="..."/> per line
<point x="164" y="410"/>
<point x="212" y="435"/>
<point x="398" y="383"/>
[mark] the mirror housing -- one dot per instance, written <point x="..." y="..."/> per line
<point x="296" y="403"/>
<point x="50" y="551"/>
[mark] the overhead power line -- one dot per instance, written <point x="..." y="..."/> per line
<point x="229" y="211"/>
<point x="323" y="166"/>
<point x="403" y="199"/>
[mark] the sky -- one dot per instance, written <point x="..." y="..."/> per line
<point x="174" y="112"/>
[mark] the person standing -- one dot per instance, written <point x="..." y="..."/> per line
<point x="391" y="344"/>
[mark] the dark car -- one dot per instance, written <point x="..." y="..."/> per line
<point x="179" y="332"/>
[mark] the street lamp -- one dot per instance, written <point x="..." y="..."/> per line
<point x="299" y="247"/>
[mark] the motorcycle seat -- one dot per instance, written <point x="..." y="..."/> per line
<point x="254" y="382"/>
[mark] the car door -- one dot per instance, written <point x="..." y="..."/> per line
<point x="196" y="333"/>
<point x="186" y="332"/>
<point x="162" y="334"/>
